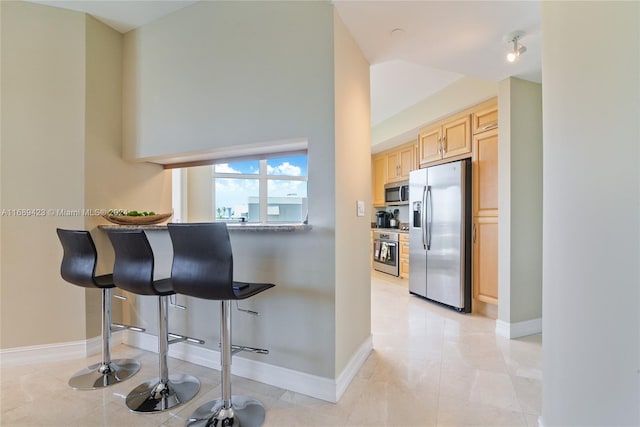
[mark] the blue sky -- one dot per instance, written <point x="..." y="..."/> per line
<point x="293" y="165"/>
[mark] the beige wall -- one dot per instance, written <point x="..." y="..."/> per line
<point x="520" y="201"/>
<point x="43" y="80"/>
<point x="353" y="171"/>
<point x="404" y="126"/>
<point x="61" y="149"/>
<point x="110" y="181"/>
<point x="591" y="240"/>
<point x="222" y="74"/>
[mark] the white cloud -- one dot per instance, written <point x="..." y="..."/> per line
<point x="285" y="168"/>
<point x="282" y="188"/>
<point x="231" y="192"/>
<point x="225" y="168"/>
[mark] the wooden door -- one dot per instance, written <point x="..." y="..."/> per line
<point x="429" y="144"/>
<point x="456" y="136"/>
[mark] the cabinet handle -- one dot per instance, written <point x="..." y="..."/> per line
<point x="444" y="144"/>
<point x="490" y="125"/>
<point x="474" y="234"/>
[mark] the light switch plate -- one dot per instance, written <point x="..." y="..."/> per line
<point x="360" y="207"/>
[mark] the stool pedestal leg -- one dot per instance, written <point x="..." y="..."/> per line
<point x="107" y="372"/>
<point x="228" y="410"/>
<point x="166" y="391"/>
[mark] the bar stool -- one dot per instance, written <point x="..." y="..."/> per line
<point x="133" y="271"/>
<point x="203" y="268"/>
<point x="78" y="267"/>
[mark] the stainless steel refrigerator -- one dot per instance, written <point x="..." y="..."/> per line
<point x="440" y="234"/>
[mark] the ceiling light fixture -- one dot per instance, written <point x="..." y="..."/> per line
<point x="518" y="49"/>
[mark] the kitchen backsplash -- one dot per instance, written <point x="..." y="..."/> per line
<point x="403" y="212"/>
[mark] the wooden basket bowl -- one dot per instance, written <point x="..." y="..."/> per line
<point x="137" y="220"/>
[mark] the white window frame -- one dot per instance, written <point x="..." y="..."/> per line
<point x="263" y="183"/>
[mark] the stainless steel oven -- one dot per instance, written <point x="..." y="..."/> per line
<point x="386" y="252"/>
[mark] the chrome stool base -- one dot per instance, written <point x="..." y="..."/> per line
<point x="156" y="396"/>
<point x="104" y="374"/>
<point x="245" y="411"/>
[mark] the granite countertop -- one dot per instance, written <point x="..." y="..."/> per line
<point x="236" y="226"/>
<point x="394" y="230"/>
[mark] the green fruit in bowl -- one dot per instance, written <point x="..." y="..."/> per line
<point x="120" y="212"/>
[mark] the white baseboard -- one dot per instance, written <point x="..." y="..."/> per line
<point x="323" y="388"/>
<point x="354" y="365"/>
<point x="518" y="329"/>
<point x="19" y="356"/>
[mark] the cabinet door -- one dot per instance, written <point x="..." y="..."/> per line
<point x="404" y="250"/>
<point x="392" y="166"/>
<point x="405" y="162"/>
<point x="378" y="174"/>
<point x="429" y="144"/>
<point x="485" y="119"/>
<point x="485" y="173"/>
<point x="456" y="136"/>
<point x="485" y="259"/>
<point x="404" y="269"/>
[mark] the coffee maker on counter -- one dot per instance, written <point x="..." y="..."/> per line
<point x="383" y="219"/>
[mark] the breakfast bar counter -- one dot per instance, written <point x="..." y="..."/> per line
<point x="234" y="226"/>
<point x="297" y="318"/>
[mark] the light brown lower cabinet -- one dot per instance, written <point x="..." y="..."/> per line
<point x="404" y="255"/>
<point x="485" y="259"/>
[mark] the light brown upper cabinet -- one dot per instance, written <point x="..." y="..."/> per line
<point x="485" y="173"/>
<point x="447" y="139"/>
<point x="400" y="162"/>
<point x="485" y="117"/>
<point x="378" y="178"/>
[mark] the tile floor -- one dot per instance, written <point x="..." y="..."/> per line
<point x="430" y="367"/>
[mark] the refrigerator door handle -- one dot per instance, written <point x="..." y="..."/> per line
<point x="423" y="227"/>
<point x="429" y="207"/>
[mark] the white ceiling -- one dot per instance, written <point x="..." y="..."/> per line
<point x="441" y="41"/>
<point x="121" y="15"/>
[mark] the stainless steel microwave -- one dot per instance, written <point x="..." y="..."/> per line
<point x="396" y="193"/>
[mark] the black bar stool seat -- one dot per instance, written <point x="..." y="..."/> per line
<point x="78" y="267"/>
<point x="133" y="271"/>
<point x="203" y="268"/>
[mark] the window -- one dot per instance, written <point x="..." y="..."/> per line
<point x="265" y="190"/>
